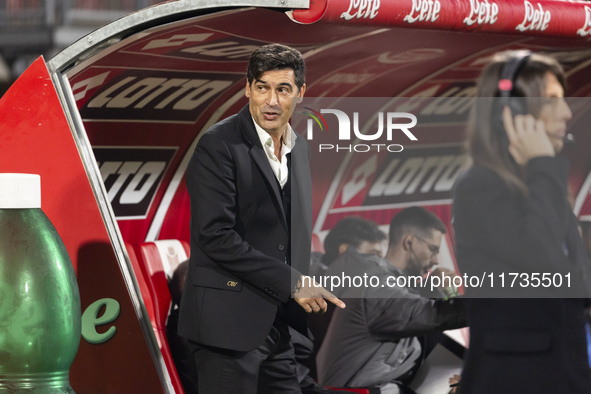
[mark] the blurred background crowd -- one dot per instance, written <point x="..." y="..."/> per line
<point x="31" y="28"/>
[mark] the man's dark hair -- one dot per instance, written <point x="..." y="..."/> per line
<point x="276" y="57"/>
<point x="352" y="230"/>
<point x="414" y="220"/>
<point x="177" y="282"/>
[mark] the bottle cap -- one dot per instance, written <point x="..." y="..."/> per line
<point x="18" y="191"/>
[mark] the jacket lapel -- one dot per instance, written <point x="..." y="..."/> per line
<point x="301" y="183"/>
<point x="301" y="206"/>
<point x="258" y="155"/>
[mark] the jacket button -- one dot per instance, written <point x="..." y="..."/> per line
<point x="281" y="247"/>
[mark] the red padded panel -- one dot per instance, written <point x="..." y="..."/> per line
<point x="158" y="287"/>
<point x="141" y="280"/>
<point x="157" y="282"/>
<point x="317" y="245"/>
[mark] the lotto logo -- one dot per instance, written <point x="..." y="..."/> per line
<point x="131" y="177"/>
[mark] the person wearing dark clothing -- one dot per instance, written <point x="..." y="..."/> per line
<point x="373" y="342"/>
<point x="511" y="215"/>
<point x="350" y="232"/>
<point x="180" y="348"/>
<point x="248" y="177"/>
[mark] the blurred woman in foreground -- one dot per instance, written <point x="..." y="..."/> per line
<point x="511" y="216"/>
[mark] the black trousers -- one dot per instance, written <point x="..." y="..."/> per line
<point x="268" y="369"/>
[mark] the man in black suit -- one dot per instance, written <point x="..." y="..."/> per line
<point x="249" y="176"/>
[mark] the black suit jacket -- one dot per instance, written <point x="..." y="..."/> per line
<point x="238" y="276"/>
<point x="522" y="345"/>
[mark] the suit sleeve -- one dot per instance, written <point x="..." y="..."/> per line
<point x="212" y="187"/>
<point x="394" y="318"/>
<point x="525" y="233"/>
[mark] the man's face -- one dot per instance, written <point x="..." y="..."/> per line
<point x="367" y="247"/>
<point x="270" y="97"/>
<point x="556" y="113"/>
<point x="424" y="252"/>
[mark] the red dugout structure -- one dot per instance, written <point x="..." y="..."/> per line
<point x="111" y="122"/>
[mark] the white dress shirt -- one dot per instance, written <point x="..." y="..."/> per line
<point x="279" y="167"/>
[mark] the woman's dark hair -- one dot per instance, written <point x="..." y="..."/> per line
<point x="486" y="144"/>
<point x="276" y="57"/>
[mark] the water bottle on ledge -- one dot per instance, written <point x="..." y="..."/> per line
<point x="39" y="298"/>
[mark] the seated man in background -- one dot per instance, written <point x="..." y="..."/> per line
<point x="373" y="342"/>
<point x="353" y="231"/>
<point x="350" y="232"/>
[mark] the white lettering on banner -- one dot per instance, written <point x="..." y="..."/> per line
<point x="482" y="12"/>
<point x="406" y="177"/>
<point x="362" y="9"/>
<point x="535" y="19"/>
<point x="177" y="40"/>
<point x="104" y="98"/>
<point x="230" y="50"/>
<point x="145" y="175"/>
<point x="586" y="29"/>
<point x="186" y="94"/>
<point x="88" y="84"/>
<point x="359" y="180"/>
<point x="423" y="10"/>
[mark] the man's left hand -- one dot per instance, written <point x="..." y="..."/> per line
<point x="311" y="296"/>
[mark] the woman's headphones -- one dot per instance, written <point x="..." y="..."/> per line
<point x="507" y="82"/>
<point x="507" y="98"/>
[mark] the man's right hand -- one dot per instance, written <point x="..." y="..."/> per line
<point x="310" y="295"/>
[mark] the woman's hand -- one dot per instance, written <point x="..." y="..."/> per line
<point x="527" y="137"/>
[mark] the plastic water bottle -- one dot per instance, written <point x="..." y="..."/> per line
<point x="39" y="298"/>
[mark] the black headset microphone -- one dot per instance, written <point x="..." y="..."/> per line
<point x="567" y="140"/>
<point x="506" y="83"/>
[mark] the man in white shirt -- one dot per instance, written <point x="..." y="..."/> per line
<point x="244" y="286"/>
